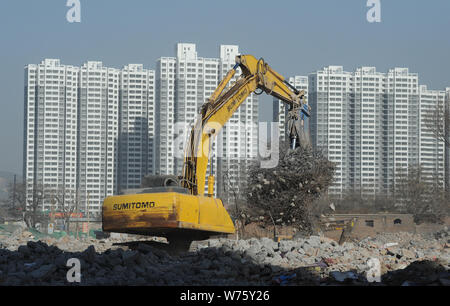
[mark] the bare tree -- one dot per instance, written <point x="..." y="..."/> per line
<point x="438" y="122"/>
<point x="18" y="198"/>
<point x="421" y="195"/>
<point x="439" y="199"/>
<point x="231" y="191"/>
<point x="65" y="201"/>
<point x="32" y="212"/>
<point x="28" y="207"/>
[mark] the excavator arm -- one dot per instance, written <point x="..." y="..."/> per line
<point x="223" y="103"/>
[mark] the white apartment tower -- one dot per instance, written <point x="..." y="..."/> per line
<point x="447" y="144"/>
<point x="361" y="118"/>
<point x="50" y="129"/>
<point x="98" y="125"/>
<point x="402" y="105"/>
<point x="327" y="90"/>
<point x="136" y="125"/>
<point x="281" y="109"/>
<point x="371" y="125"/>
<point x="164" y="115"/>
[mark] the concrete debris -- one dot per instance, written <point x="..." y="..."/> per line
<point x="388" y="245"/>
<point x="314" y="260"/>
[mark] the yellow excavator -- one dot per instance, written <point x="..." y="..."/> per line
<point x="176" y="207"/>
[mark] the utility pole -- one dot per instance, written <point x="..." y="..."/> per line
<point x="52" y="212"/>
<point x="87" y="211"/>
<point x="76" y="211"/>
<point x="14" y="193"/>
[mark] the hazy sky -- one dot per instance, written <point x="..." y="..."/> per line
<point x="294" y="37"/>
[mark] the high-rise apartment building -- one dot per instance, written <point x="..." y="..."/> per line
<point x="164" y="115"/>
<point x="369" y="124"/>
<point x="280" y="109"/>
<point x="98" y="125"/>
<point x="136" y="125"/>
<point x="50" y="129"/>
<point x="328" y="117"/>
<point x="447" y="136"/>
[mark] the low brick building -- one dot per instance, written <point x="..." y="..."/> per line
<point x="371" y="224"/>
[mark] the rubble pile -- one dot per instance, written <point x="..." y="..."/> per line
<point x="404" y="259"/>
<point x="18" y="234"/>
<point x="285" y="194"/>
